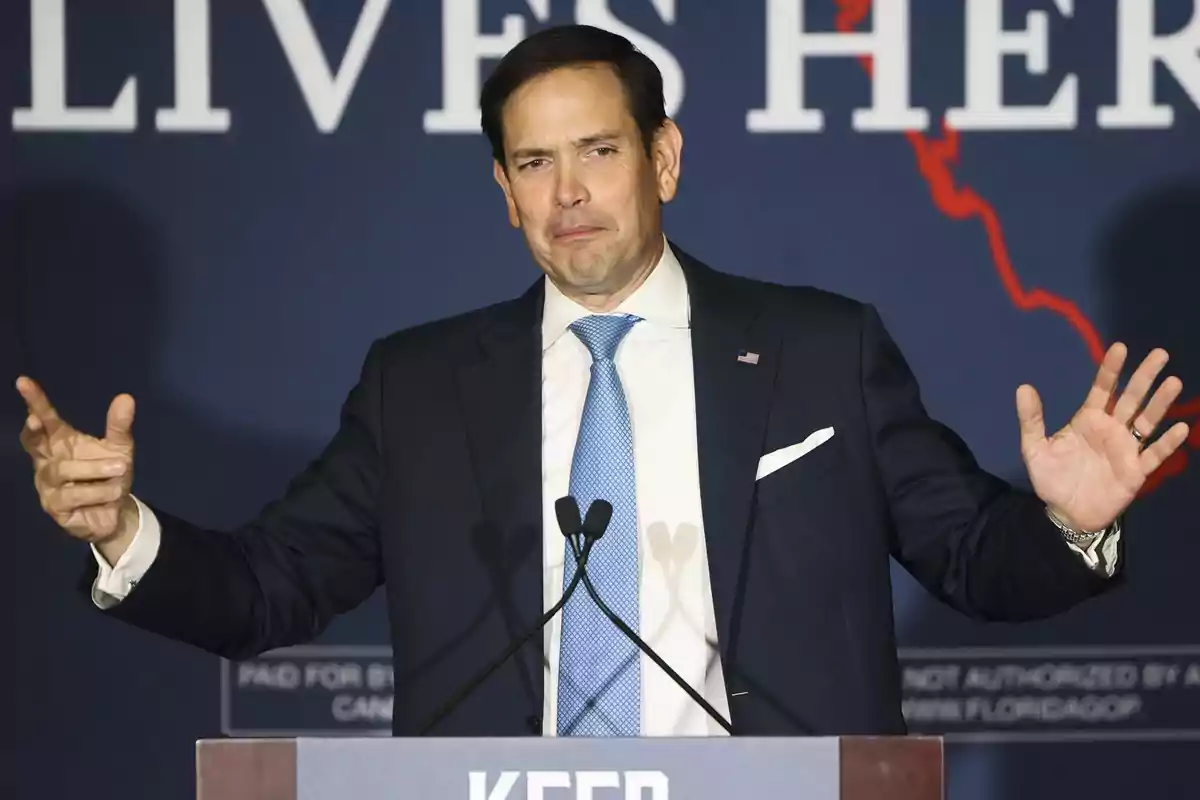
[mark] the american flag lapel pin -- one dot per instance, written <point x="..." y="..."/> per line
<point x="746" y="357"/>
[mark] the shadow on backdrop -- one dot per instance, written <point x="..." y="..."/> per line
<point x="1148" y="284"/>
<point x="97" y="708"/>
<point x="1148" y="272"/>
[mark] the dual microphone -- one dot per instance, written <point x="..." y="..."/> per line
<point x="591" y="528"/>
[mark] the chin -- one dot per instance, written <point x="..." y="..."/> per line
<point x="585" y="280"/>
<point x="584" y="270"/>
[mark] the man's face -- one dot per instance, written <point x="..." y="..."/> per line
<point x="579" y="183"/>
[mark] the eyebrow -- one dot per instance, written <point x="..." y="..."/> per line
<point x="538" y="152"/>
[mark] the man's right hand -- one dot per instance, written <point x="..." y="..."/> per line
<point x="84" y="483"/>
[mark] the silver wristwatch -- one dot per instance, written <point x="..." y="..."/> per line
<point x="1073" y="536"/>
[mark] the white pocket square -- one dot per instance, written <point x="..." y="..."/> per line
<point x="786" y="455"/>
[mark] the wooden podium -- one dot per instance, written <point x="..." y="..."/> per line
<point x="703" y="768"/>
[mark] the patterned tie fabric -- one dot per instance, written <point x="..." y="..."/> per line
<point x="599" y="672"/>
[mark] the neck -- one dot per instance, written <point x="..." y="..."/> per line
<point x="602" y="301"/>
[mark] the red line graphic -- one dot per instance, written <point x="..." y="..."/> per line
<point x="934" y="160"/>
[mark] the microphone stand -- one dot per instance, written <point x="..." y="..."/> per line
<point x="515" y="645"/>
<point x="581" y="570"/>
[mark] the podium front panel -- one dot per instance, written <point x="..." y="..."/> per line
<point x="701" y="768"/>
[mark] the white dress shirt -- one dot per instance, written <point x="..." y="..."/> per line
<point x="654" y="362"/>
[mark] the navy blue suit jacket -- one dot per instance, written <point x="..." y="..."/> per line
<point x="432" y="486"/>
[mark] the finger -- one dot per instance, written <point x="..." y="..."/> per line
<point x="1030" y="416"/>
<point x="120" y="421"/>
<point x="1107" y="375"/>
<point x="33" y="437"/>
<point x="1166" y="394"/>
<point x="39" y="404"/>
<point x="1139" y="386"/>
<point x="1153" y="456"/>
<point x="89" y="469"/>
<point x="82" y="495"/>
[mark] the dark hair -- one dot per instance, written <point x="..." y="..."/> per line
<point x="568" y="46"/>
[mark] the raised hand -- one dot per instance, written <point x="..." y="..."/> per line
<point x="1090" y="471"/>
<point x="83" y="482"/>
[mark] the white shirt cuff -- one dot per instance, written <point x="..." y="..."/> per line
<point x="1102" y="552"/>
<point x="114" y="582"/>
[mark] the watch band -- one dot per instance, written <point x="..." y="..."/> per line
<point x="1073" y="536"/>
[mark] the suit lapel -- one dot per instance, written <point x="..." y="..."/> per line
<point x="501" y="398"/>
<point x="732" y="402"/>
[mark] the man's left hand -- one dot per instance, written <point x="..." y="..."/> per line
<point x="1090" y="471"/>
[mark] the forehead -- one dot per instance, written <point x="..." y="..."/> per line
<point x="565" y="103"/>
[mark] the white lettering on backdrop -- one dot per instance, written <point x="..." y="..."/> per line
<point x="787" y="48"/>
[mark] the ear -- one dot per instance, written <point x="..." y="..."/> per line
<point x="667" y="152"/>
<point x="501" y="178"/>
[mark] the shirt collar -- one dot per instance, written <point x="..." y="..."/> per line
<point x="662" y="299"/>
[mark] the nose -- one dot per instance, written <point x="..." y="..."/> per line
<point x="569" y="191"/>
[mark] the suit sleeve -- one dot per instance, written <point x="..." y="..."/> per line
<point x="977" y="543"/>
<point x="280" y="579"/>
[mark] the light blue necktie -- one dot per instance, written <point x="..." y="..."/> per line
<point x="599" y="670"/>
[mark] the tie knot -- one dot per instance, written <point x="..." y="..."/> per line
<point x="602" y="333"/>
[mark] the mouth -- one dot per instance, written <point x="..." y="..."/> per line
<point x="576" y="232"/>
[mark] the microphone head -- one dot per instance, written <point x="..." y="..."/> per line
<point x="599" y="514"/>
<point x="566" y="510"/>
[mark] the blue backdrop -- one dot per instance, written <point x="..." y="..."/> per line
<point x="317" y="180"/>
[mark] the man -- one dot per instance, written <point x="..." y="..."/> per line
<point x="764" y="449"/>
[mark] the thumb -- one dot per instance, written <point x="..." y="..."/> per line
<point x="120" y="421"/>
<point x="1030" y="417"/>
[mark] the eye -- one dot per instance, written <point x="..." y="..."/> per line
<point x="605" y="150"/>
<point x="533" y="162"/>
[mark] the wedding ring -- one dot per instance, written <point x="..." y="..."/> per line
<point x="1141" y="440"/>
